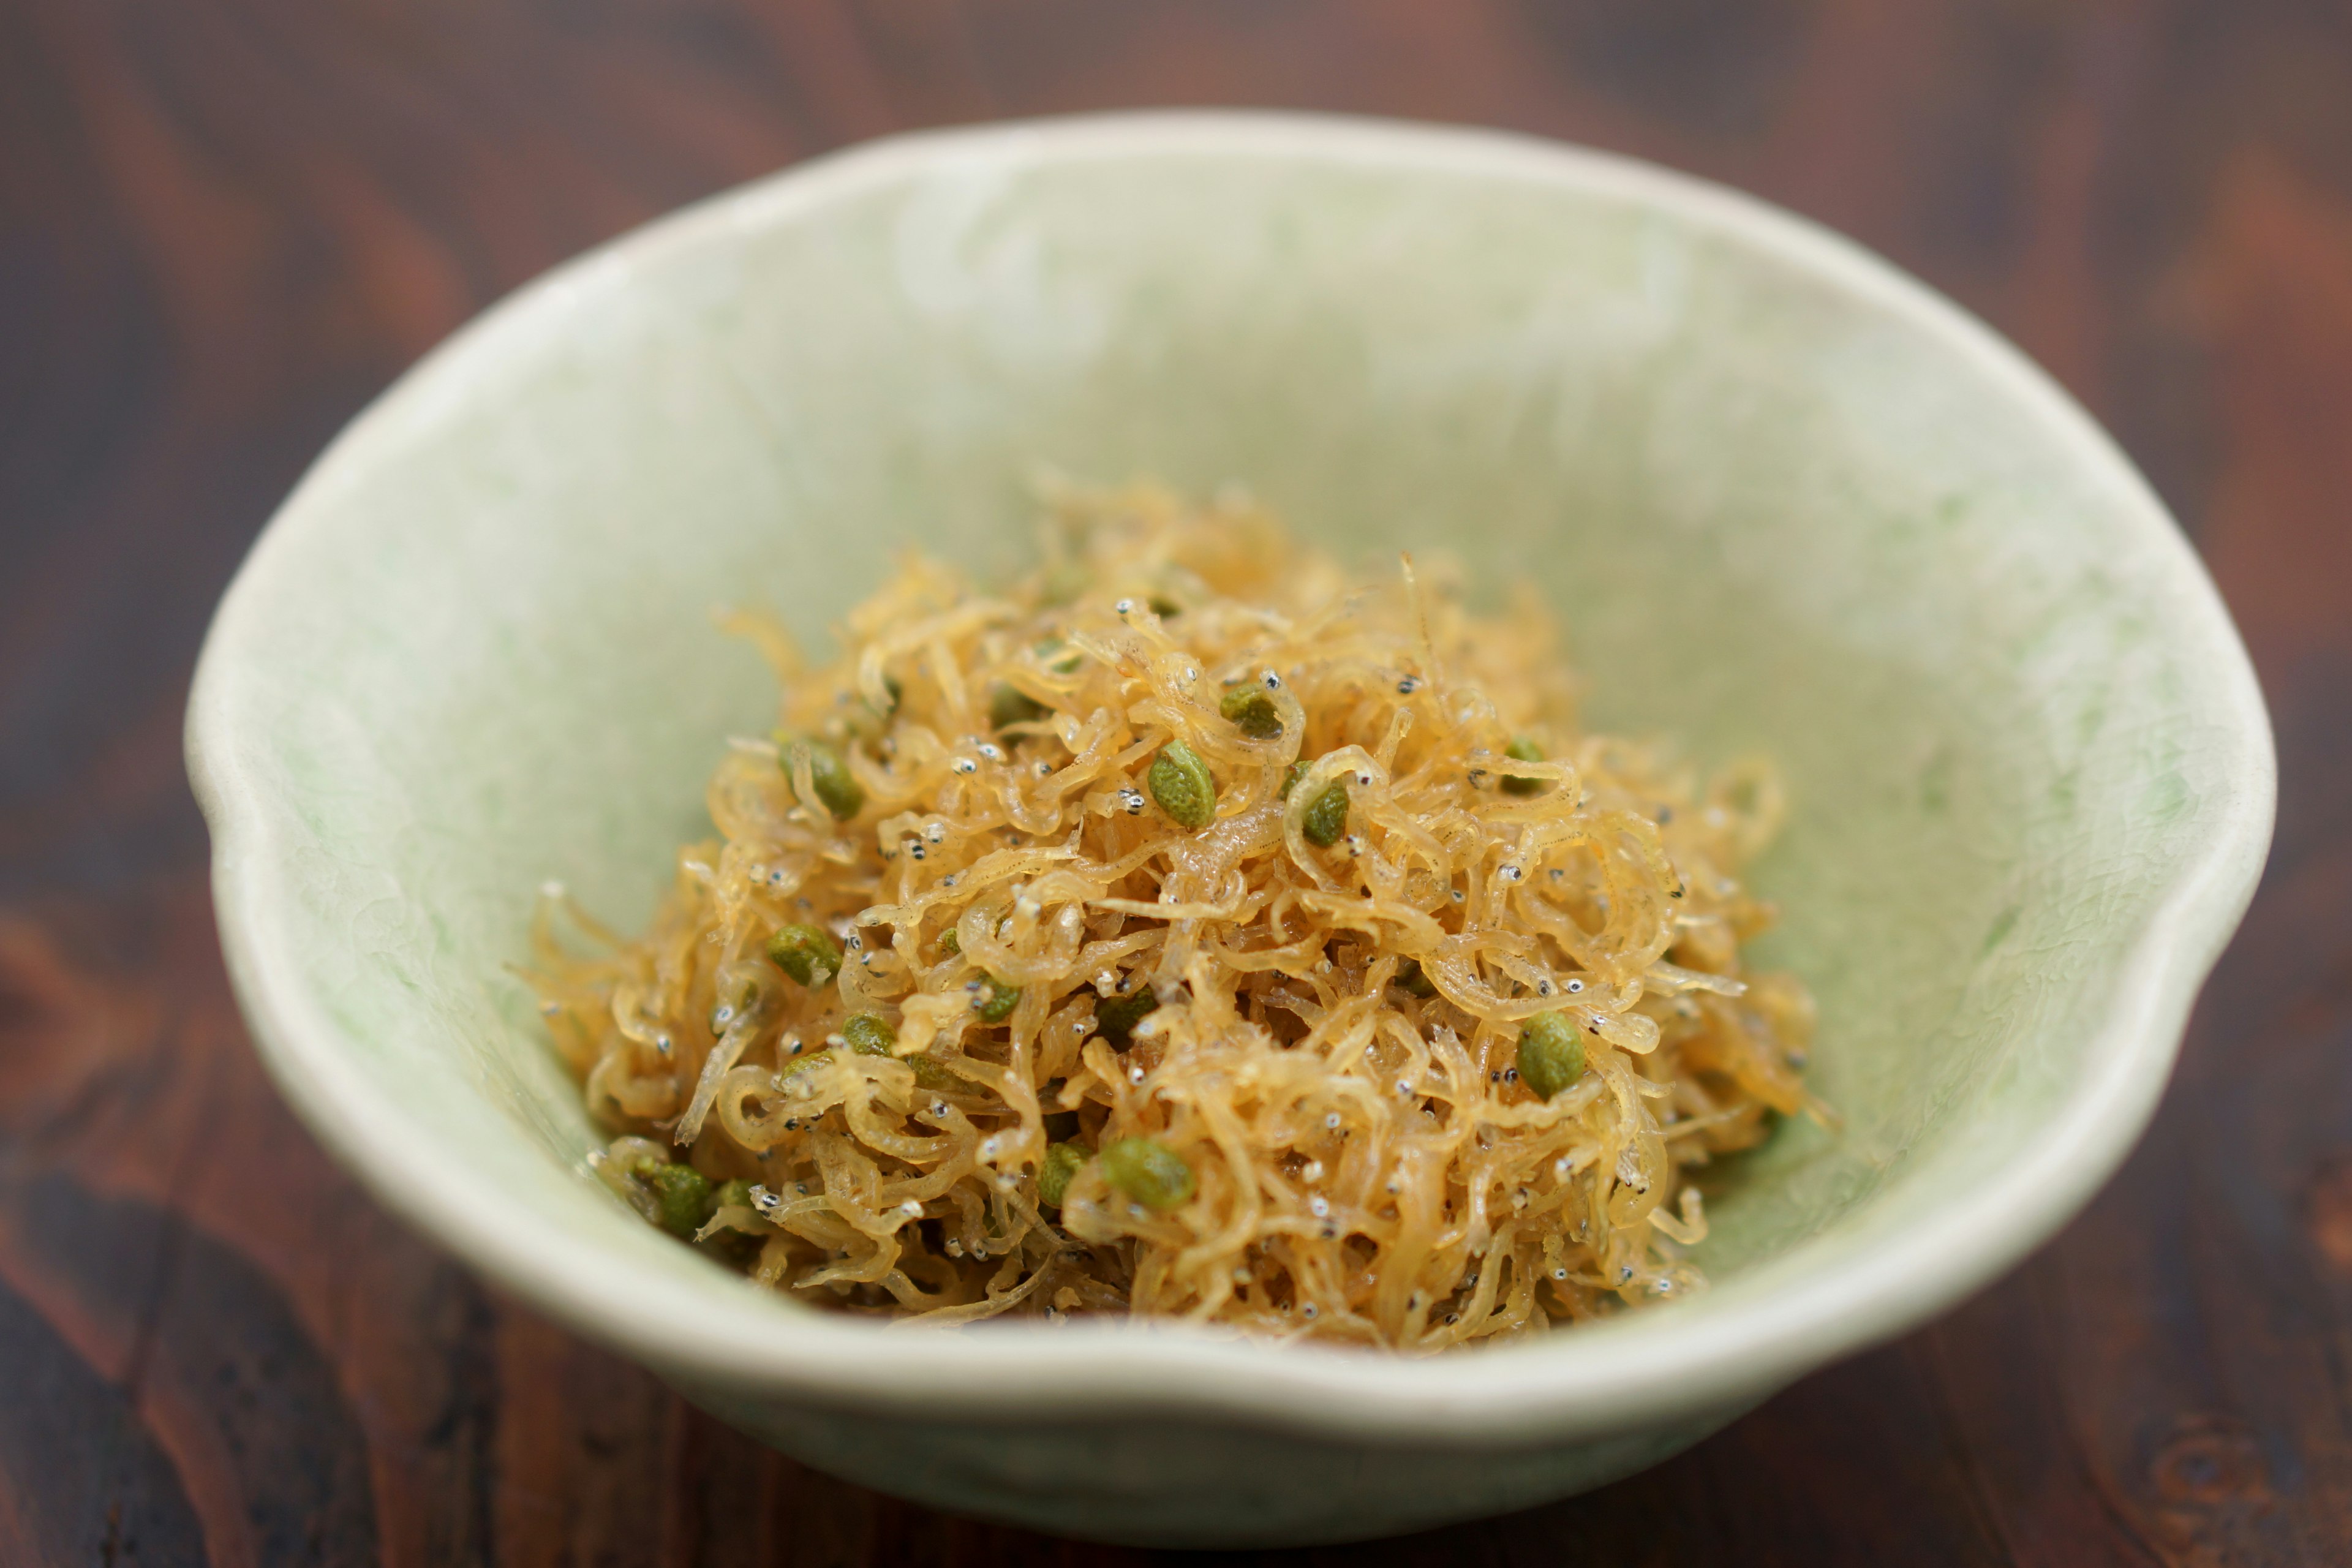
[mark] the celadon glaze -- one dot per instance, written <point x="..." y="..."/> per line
<point x="1784" y="501"/>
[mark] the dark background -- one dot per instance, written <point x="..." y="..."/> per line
<point x="226" y="223"/>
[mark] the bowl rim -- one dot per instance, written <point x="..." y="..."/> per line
<point x="1643" y="1370"/>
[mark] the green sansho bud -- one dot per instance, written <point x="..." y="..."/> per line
<point x="836" y="790"/>
<point x="1150" y="1171"/>
<point x="936" y="1076"/>
<point x="1551" y="1054"/>
<point x="1054" y="1172"/>
<point x="682" y="1194"/>
<point x="1326" y="817"/>
<point x="868" y="1035"/>
<point x="1180" y="781"/>
<point x="1524" y="750"/>
<point x="996" y="1000"/>
<point x="808" y="954"/>
<point x="1249" y="710"/>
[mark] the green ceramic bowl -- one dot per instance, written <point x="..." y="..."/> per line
<point x="1785" y="498"/>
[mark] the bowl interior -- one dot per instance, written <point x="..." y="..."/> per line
<point x="1777" y="511"/>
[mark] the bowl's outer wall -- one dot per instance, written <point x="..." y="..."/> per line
<point x="1775" y="511"/>
<point x="1190" y="1484"/>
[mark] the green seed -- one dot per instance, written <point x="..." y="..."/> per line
<point x="1180" y="782"/>
<point x="1524" y="751"/>
<point x="807" y="953"/>
<point x="1009" y="705"/>
<point x="996" y="1000"/>
<point x="801" y="1064"/>
<point x="1163" y="607"/>
<point x="683" y="1195"/>
<point x="1054" y="1172"/>
<point x="1413" y="981"/>
<point x="1326" y="817"/>
<point x="1249" y="710"/>
<point x="836" y="791"/>
<point x="1290" y="780"/>
<point x="1551" y="1054"/>
<point x="1150" y="1171"/>
<point x="736" y="1193"/>
<point x="936" y="1078"/>
<point x="951" y="943"/>
<point x="868" y="1035"/>
<point x="1116" y="1019"/>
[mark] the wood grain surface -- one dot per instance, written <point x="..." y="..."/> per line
<point x="226" y="223"/>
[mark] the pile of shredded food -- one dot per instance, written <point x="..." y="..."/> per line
<point x="1188" y="930"/>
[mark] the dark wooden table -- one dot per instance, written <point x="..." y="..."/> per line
<point x="226" y="223"/>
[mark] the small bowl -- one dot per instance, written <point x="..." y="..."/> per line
<point x="1786" y="499"/>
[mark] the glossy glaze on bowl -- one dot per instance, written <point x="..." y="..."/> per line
<point x="1784" y="498"/>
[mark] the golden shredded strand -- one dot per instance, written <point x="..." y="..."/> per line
<point x="1278" y="1053"/>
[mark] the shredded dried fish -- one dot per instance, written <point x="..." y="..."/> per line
<point x="1281" y="981"/>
